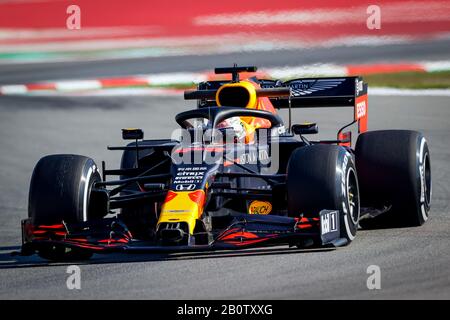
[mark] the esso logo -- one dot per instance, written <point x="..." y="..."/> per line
<point x="360" y="109"/>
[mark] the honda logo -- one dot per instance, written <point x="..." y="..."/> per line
<point x="185" y="187"/>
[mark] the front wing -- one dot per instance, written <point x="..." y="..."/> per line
<point x="246" y="231"/>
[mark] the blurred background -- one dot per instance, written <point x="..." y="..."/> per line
<point x="171" y="36"/>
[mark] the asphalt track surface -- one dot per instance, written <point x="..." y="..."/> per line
<point x="414" y="261"/>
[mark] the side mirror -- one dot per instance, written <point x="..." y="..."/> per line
<point x="132" y="134"/>
<point x="305" y="128"/>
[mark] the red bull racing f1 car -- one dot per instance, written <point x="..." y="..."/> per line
<point x="235" y="177"/>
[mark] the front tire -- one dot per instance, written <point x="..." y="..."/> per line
<point x="324" y="177"/>
<point x="60" y="191"/>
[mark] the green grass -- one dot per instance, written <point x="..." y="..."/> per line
<point x="410" y="80"/>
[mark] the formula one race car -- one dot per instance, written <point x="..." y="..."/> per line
<point x="235" y="178"/>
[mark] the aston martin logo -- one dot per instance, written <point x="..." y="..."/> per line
<point x="305" y="87"/>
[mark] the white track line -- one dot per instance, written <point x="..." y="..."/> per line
<point x="408" y="92"/>
<point x="157" y="92"/>
<point x="406" y="11"/>
<point x="176" y="77"/>
<point x="319" y="69"/>
<point x="78" y="85"/>
<point x="13" y="89"/>
<point x="436" y="66"/>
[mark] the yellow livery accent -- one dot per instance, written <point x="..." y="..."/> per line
<point x="260" y="207"/>
<point x="183" y="206"/>
<point x="237" y="94"/>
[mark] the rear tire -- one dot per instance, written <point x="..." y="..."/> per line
<point x="394" y="170"/>
<point x="324" y="177"/>
<point x="60" y="191"/>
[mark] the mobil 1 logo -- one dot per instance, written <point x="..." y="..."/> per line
<point x="329" y="225"/>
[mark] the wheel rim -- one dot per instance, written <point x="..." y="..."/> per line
<point x="352" y="196"/>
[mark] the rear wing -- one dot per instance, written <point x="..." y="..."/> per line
<point x="300" y="93"/>
<point x="324" y="92"/>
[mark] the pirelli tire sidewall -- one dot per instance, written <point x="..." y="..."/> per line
<point x="348" y="192"/>
<point x="424" y="184"/>
<point x="321" y="177"/>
